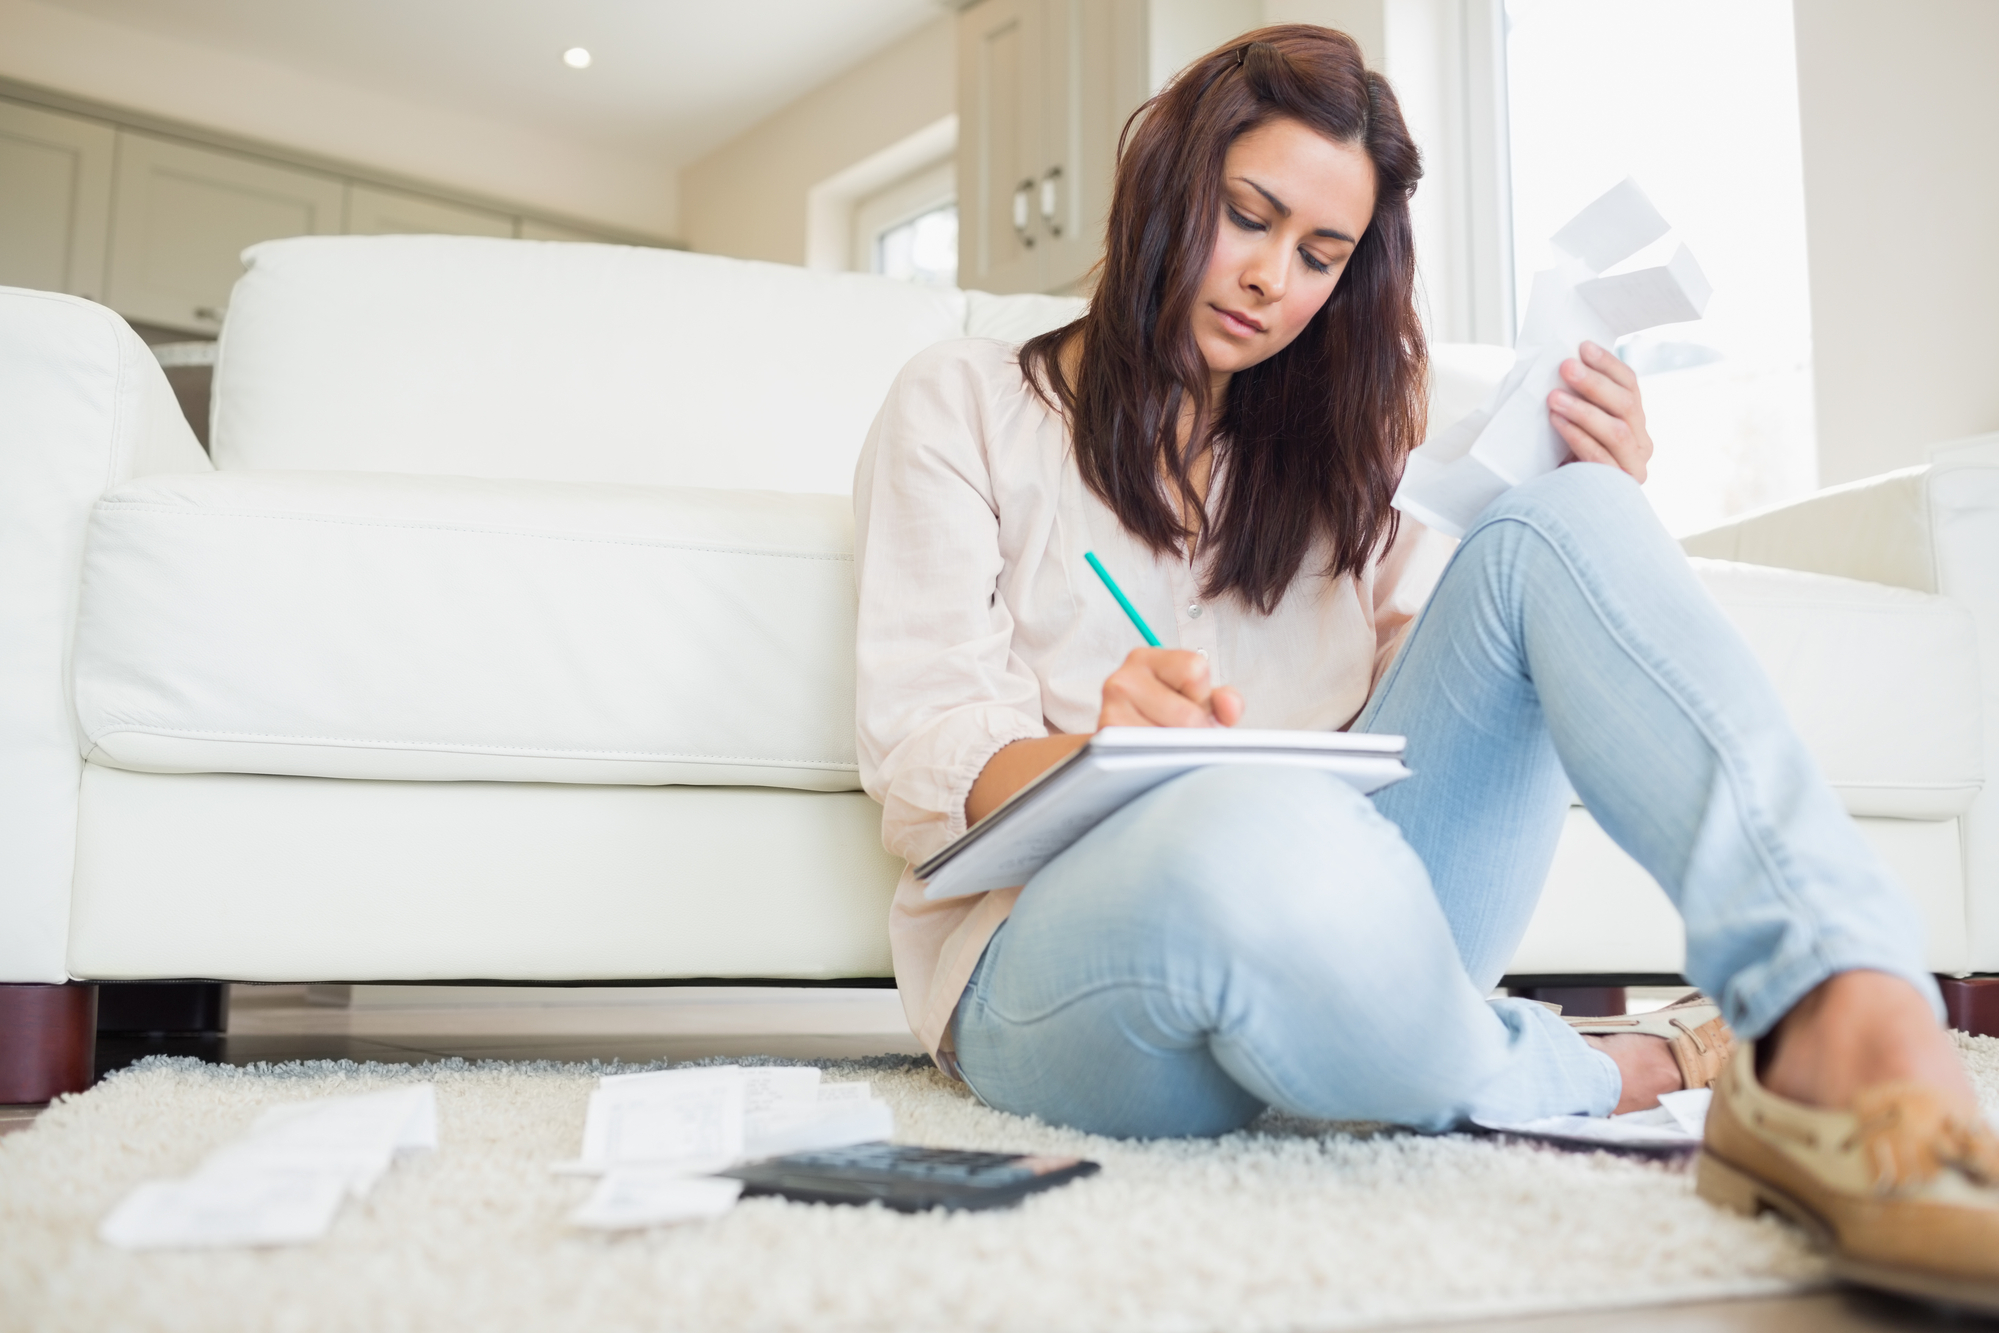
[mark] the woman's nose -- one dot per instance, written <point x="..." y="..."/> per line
<point x="1265" y="277"/>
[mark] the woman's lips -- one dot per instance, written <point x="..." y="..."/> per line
<point x="1235" y="323"/>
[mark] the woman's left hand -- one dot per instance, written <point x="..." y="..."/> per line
<point x="1599" y="415"/>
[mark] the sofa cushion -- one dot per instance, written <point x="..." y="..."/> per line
<point x="1882" y="683"/>
<point x="1015" y="319"/>
<point x="383" y="626"/>
<point x="489" y="358"/>
<point x="397" y="626"/>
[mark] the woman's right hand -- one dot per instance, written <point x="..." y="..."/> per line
<point x="1156" y="687"/>
<point x="1167" y="687"/>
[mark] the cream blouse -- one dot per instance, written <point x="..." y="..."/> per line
<point x="980" y="624"/>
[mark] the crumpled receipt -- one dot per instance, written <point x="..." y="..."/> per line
<point x="1471" y="463"/>
<point x="283" y="1182"/>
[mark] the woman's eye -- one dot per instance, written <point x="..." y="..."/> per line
<point x="1246" y="223"/>
<point x="1314" y="263"/>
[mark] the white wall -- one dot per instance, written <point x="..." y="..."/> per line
<point x="1180" y="32"/>
<point x="1899" y="106"/>
<point x="1362" y="20"/>
<point x="242" y="96"/>
<point x="748" y="198"/>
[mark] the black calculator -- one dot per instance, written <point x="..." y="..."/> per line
<point x="909" y="1179"/>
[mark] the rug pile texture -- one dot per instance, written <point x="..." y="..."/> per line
<point x="1289" y="1225"/>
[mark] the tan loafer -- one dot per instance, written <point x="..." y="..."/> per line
<point x="1905" y="1193"/>
<point x="1692" y="1025"/>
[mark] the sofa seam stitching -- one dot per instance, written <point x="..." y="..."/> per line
<point x="112" y="506"/>
<point x="193" y="733"/>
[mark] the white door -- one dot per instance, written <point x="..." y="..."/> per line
<point x="1000" y="74"/>
<point x="373" y="212"/>
<point x="182" y="215"/>
<point x="55" y="200"/>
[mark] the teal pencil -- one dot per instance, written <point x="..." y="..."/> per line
<point x="1122" y="600"/>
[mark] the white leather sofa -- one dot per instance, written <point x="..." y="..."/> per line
<point x="508" y="635"/>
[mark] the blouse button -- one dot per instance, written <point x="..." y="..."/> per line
<point x="1193" y="610"/>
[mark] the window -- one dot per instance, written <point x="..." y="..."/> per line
<point x="923" y="249"/>
<point x="1696" y="99"/>
<point x="909" y="229"/>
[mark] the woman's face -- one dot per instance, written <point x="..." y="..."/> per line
<point x="1294" y="205"/>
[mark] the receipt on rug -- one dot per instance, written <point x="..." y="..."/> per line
<point x="692" y="1118"/>
<point x="226" y="1209"/>
<point x="356" y="1137"/>
<point x="646" y="1196"/>
<point x="693" y="1121"/>
<point x="283" y="1182"/>
<point x="1468" y="464"/>
<point x="1676" y="1122"/>
<point x="830" y="1123"/>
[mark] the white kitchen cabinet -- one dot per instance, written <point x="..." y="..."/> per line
<point x="377" y="212"/>
<point x="55" y="199"/>
<point x="1001" y="155"/>
<point x="1044" y="87"/>
<point x="182" y="214"/>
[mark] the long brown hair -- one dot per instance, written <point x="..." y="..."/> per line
<point x="1313" y="438"/>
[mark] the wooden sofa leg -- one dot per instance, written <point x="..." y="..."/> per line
<point x="1971" y="1004"/>
<point x="48" y="1040"/>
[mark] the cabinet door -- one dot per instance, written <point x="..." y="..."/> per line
<point x="1000" y="60"/>
<point x="373" y="212"/>
<point x="1096" y="77"/>
<point x="181" y="216"/>
<point x="55" y="200"/>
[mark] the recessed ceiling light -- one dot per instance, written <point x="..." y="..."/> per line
<point x="576" y="58"/>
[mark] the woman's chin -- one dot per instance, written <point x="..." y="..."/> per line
<point x="1227" y="356"/>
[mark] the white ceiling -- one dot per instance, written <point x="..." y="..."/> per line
<point x="670" y="78"/>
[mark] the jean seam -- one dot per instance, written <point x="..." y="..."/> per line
<point x="1171" y="993"/>
<point x="1698" y="712"/>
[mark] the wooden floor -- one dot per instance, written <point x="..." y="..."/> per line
<point x="411" y="1024"/>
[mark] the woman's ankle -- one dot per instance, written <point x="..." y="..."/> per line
<point x="1856" y="1030"/>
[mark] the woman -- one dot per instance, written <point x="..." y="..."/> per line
<point x="1225" y="427"/>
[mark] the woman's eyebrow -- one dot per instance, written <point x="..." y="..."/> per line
<point x="1284" y="210"/>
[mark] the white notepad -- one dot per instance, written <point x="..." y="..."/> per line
<point x="1043" y="819"/>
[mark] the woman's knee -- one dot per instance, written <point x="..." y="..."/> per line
<point x="1586" y="486"/>
<point x="1578" y="505"/>
<point x="1242" y="853"/>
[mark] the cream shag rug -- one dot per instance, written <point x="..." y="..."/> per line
<point x="1290" y="1225"/>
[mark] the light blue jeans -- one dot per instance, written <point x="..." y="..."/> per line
<point x="1252" y="936"/>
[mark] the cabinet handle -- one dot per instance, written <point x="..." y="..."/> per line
<point x="1051" y="200"/>
<point x="1023" y="213"/>
<point x="213" y="314"/>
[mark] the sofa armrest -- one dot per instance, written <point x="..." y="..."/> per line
<point x="1934" y="528"/>
<point x="83" y="406"/>
<point x="1876" y="530"/>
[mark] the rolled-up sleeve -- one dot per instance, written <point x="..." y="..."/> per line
<point x="941" y="689"/>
